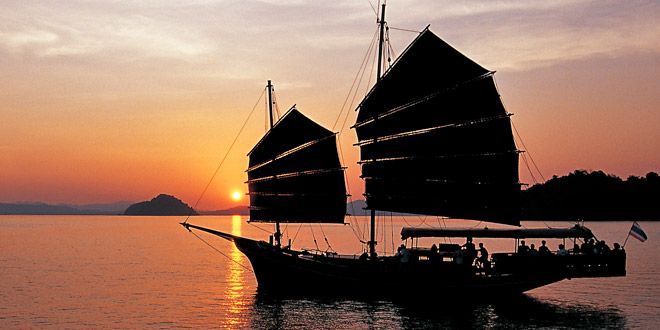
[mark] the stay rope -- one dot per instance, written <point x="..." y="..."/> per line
<point x="226" y="154"/>
<point x="222" y="253"/>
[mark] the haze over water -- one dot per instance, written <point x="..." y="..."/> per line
<point x="148" y="272"/>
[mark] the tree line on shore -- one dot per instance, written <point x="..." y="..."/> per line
<point x="593" y="195"/>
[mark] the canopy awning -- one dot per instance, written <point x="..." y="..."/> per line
<point x="574" y="232"/>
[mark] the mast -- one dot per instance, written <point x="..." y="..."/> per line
<point x="381" y="23"/>
<point x="278" y="234"/>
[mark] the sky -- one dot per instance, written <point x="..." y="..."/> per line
<point x="104" y="101"/>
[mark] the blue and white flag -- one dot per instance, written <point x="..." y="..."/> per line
<point x="637" y="232"/>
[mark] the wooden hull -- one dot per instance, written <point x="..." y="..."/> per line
<point x="287" y="272"/>
<point x="283" y="272"/>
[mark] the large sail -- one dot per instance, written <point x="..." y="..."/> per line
<point x="294" y="174"/>
<point x="435" y="138"/>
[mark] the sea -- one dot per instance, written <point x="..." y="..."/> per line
<point x="94" y="272"/>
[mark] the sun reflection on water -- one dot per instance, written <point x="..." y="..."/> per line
<point x="235" y="292"/>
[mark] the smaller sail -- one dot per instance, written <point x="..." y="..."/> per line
<point x="294" y="174"/>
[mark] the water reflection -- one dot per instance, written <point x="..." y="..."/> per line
<point x="235" y="290"/>
<point x="521" y="312"/>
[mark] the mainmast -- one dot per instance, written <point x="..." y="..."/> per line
<point x="381" y="23"/>
<point x="278" y="234"/>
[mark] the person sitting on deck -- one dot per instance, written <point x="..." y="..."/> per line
<point x="562" y="251"/>
<point x="523" y="249"/>
<point x="618" y="250"/>
<point x="482" y="261"/>
<point x="543" y="249"/>
<point x="602" y="248"/>
<point x="588" y="246"/>
<point x="576" y="249"/>
<point x="532" y="250"/>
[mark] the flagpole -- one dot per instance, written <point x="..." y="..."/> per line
<point x="627" y="237"/>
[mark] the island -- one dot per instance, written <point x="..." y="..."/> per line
<point x="161" y="205"/>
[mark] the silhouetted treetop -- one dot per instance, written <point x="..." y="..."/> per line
<point x="593" y="195"/>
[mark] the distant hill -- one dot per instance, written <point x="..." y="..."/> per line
<point x="593" y="196"/>
<point x="161" y="205"/>
<point x="37" y="208"/>
<point x="238" y="210"/>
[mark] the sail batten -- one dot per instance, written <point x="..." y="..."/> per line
<point x="455" y="155"/>
<point x="290" y="152"/>
<point x="419" y="101"/>
<point x="431" y="129"/>
<point x="294" y="174"/>
<point x="435" y="138"/>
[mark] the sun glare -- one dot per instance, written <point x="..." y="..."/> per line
<point x="236" y="196"/>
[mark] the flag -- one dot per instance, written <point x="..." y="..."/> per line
<point x="637" y="232"/>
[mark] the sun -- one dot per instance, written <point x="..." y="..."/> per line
<point x="236" y="196"/>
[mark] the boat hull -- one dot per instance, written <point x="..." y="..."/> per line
<point x="289" y="272"/>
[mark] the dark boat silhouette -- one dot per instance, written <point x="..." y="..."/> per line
<point x="434" y="139"/>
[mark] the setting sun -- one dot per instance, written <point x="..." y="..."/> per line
<point x="236" y="195"/>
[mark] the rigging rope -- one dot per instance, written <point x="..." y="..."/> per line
<point x="392" y="231"/>
<point x="326" y="240"/>
<point x="405" y="30"/>
<point x="296" y="235"/>
<point x="314" y="237"/>
<point x="225" y="255"/>
<point x="522" y="155"/>
<point x="530" y="155"/>
<point x="276" y="105"/>
<point x="374" y="9"/>
<point x="226" y="154"/>
<point x="255" y="226"/>
<point x="362" y="68"/>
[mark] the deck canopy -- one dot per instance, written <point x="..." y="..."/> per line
<point x="574" y="232"/>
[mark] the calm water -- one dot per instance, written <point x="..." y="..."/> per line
<point x="148" y="272"/>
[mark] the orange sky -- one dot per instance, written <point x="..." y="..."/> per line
<point x="106" y="101"/>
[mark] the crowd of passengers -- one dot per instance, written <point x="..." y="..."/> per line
<point x="589" y="247"/>
<point x="468" y="253"/>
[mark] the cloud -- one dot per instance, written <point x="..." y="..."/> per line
<point x="522" y="35"/>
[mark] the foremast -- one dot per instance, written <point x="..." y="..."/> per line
<point x="269" y="86"/>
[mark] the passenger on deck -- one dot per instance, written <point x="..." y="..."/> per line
<point x="562" y="251"/>
<point x="470" y="252"/>
<point x="602" y="248"/>
<point x="532" y="250"/>
<point x="523" y="249"/>
<point x="618" y="250"/>
<point x="482" y="261"/>
<point x="543" y="249"/>
<point x="576" y="249"/>
<point x="403" y="254"/>
<point x="588" y="247"/>
<point x="433" y="256"/>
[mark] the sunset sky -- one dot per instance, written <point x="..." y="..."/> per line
<point x="104" y="101"/>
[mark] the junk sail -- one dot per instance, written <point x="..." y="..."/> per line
<point x="435" y="138"/>
<point x="294" y="174"/>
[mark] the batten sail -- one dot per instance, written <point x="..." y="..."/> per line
<point x="294" y="174"/>
<point x="435" y="138"/>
